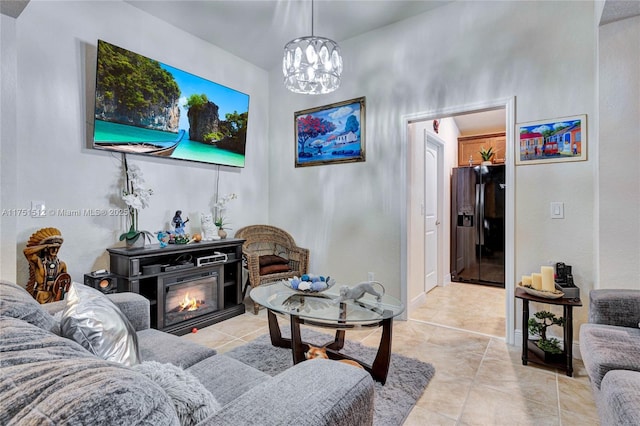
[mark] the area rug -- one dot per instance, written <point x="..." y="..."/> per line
<point x="406" y="381"/>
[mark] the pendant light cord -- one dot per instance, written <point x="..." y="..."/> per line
<point x="311" y="18"/>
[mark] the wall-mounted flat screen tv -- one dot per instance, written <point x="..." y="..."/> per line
<point x="143" y="106"/>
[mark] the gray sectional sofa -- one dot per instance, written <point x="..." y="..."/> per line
<point x="49" y="379"/>
<point x="610" y="349"/>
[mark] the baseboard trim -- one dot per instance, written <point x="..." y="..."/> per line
<point x="446" y="280"/>
<point x="417" y="302"/>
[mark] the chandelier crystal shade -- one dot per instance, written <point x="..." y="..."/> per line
<point x="312" y="65"/>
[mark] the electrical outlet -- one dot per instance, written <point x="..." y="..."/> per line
<point x="557" y="210"/>
<point x="38" y="209"/>
<point x="371" y="276"/>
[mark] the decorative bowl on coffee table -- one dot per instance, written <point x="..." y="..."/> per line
<point x="309" y="283"/>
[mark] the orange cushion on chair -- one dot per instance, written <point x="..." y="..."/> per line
<point x="272" y="269"/>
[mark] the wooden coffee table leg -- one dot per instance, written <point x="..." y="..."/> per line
<point x="338" y="342"/>
<point x="380" y="366"/>
<point x="297" y="347"/>
<point x="274" y="332"/>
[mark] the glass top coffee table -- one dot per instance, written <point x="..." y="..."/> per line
<point x="327" y="311"/>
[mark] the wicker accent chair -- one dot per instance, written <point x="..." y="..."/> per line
<point x="264" y="240"/>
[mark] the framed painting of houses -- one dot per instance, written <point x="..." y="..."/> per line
<point x="330" y="134"/>
<point x="552" y="141"/>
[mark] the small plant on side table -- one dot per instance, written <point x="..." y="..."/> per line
<point x="538" y="327"/>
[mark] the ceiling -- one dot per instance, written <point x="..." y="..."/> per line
<point x="481" y="123"/>
<point x="618" y="10"/>
<point x="12" y="8"/>
<point x="257" y="30"/>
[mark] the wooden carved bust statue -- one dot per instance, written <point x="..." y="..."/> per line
<point x="48" y="277"/>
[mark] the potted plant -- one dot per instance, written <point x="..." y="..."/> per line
<point x="136" y="196"/>
<point x="220" y="207"/>
<point x="549" y="347"/>
<point x="220" y="224"/>
<point x="486" y="155"/>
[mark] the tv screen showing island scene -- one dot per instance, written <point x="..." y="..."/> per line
<point x="143" y="106"/>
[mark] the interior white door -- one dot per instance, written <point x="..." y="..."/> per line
<point x="431" y="220"/>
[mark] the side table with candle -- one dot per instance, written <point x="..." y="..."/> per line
<point x="528" y="354"/>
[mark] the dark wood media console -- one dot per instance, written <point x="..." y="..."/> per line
<point x="153" y="272"/>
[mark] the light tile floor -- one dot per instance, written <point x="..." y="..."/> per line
<point x="479" y="379"/>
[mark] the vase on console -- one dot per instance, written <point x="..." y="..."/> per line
<point x="220" y="207"/>
<point x="135" y="243"/>
<point x="222" y="233"/>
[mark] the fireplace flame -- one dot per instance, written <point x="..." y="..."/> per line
<point x="188" y="303"/>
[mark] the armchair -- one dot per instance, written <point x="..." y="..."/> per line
<point x="265" y="240"/>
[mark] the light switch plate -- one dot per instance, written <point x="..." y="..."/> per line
<point x="557" y="210"/>
<point x="38" y="209"/>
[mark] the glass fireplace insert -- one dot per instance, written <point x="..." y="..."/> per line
<point x="190" y="296"/>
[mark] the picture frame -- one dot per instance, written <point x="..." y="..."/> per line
<point x="330" y="134"/>
<point x="552" y="141"/>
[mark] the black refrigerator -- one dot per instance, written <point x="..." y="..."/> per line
<point x="477" y="224"/>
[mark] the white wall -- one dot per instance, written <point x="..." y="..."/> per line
<point x="8" y="71"/>
<point x="56" y="48"/>
<point x="466" y="52"/>
<point x="619" y="155"/>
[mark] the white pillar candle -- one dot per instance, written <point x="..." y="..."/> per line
<point x="526" y="280"/>
<point x="536" y="281"/>
<point x="548" y="283"/>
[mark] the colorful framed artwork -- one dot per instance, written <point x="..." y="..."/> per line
<point x="552" y="141"/>
<point x="330" y="134"/>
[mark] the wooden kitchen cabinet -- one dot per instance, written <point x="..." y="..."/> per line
<point x="470" y="146"/>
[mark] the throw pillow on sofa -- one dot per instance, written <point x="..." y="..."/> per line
<point x="95" y="322"/>
<point x="192" y="401"/>
<point x="15" y="302"/>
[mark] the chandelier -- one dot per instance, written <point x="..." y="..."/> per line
<point x="312" y="65"/>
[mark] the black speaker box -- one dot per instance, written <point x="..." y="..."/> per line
<point x="105" y="282"/>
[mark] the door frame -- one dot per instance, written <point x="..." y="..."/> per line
<point x="432" y="138"/>
<point x="405" y="120"/>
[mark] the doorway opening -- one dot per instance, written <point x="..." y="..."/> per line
<point x="430" y="157"/>
<point x="478" y="192"/>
